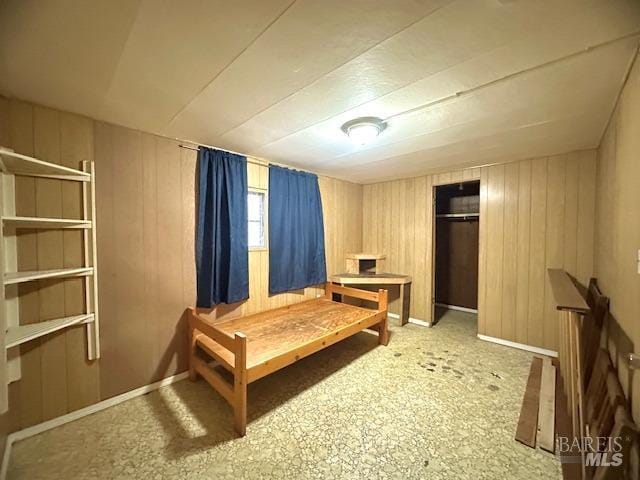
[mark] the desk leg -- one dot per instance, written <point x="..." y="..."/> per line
<point x="405" y="302"/>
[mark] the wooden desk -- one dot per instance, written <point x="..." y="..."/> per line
<point x="404" y="281"/>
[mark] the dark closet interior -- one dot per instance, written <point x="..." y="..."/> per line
<point x="456" y="233"/>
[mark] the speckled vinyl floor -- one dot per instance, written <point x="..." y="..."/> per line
<point x="435" y="404"/>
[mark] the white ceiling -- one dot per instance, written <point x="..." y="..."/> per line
<point x="463" y="82"/>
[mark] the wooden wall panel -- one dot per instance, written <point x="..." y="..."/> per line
<point x="617" y="234"/>
<point x="152" y="309"/>
<point x="105" y="218"/>
<point x="510" y="251"/>
<point x="494" y="254"/>
<point x="21" y="138"/>
<point x="146" y="194"/>
<point x="570" y="229"/>
<point x="126" y="256"/>
<point x="50" y="256"/>
<point x="170" y="345"/>
<point x="523" y="248"/>
<point x="586" y="224"/>
<point x="482" y="249"/>
<point x="421" y="216"/>
<point x="537" y="273"/>
<point x="76" y="145"/>
<point x="554" y="243"/>
<point x="534" y="214"/>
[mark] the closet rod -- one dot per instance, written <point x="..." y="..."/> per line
<point x="457" y="215"/>
<point x="255" y="162"/>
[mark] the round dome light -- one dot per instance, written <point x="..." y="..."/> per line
<point x="364" y="129"/>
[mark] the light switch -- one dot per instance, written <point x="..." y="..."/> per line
<point x="634" y="361"/>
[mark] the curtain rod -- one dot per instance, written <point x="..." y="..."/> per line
<point x="255" y="162"/>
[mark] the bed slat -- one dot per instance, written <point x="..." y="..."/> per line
<point x="214" y="379"/>
<point x="217" y="351"/>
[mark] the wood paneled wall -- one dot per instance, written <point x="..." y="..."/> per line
<point x="397" y="221"/>
<point x="618" y="232"/>
<point x="145" y="199"/>
<point x="534" y="214"/>
<point x="146" y="225"/>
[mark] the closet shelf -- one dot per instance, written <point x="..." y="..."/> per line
<point x="44" y="223"/>
<point x="17" y="164"/>
<point x="25" y="333"/>
<point x="457" y="215"/>
<point x="21" y="277"/>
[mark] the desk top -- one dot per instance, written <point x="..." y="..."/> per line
<point x="365" y="256"/>
<point x="371" y="278"/>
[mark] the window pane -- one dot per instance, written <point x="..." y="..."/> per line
<point x="256" y="214"/>
<point x="255" y="204"/>
<point x="256" y="235"/>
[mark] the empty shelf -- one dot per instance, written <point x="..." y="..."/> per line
<point x="20" y="277"/>
<point x="35" y="222"/>
<point x="24" y="333"/>
<point x="17" y="164"/>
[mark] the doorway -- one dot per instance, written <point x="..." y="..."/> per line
<point x="456" y="245"/>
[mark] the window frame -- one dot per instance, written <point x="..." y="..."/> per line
<point x="265" y="218"/>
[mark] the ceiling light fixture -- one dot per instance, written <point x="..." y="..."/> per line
<point x="364" y="129"/>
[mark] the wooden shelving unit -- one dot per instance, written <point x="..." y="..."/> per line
<point x="13" y="163"/>
<point x="44" y="223"/>
<point x="12" y="332"/>
<point x="25" y="333"/>
<point x="12" y="278"/>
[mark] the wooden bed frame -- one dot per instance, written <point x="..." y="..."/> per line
<point x="254" y="346"/>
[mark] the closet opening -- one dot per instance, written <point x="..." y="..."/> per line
<point x="456" y="236"/>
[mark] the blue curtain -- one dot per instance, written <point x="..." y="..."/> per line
<point x="222" y="252"/>
<point x="296" y="231"/>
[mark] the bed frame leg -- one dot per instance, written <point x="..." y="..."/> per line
<point x="193" y="347"/>
<point x="383" y="332"/>
<point x="383" y="326"/>
<point x="240" y="384"/>
<point x="193" y="375"/>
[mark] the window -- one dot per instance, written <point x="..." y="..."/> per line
<point x="257" y="214"/>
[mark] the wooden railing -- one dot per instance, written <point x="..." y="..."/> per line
<point x="596" y="407"/>
<point x="572" y="308"/>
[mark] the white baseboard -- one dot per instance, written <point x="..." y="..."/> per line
<point x="455" y="307"/>
<point x="77" y="414"/>
<point x="521" y="346"/>
<point x="415" y="321"/>
<point x="422" y="323"/>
